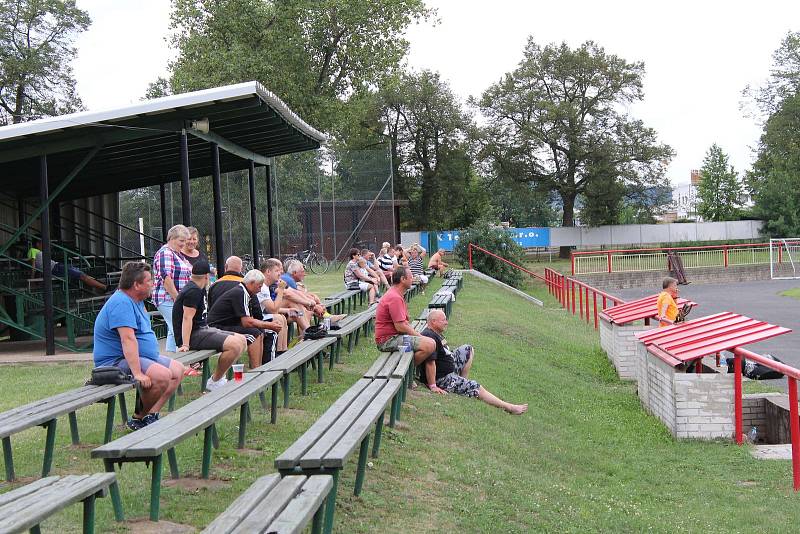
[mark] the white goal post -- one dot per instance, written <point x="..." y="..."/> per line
<point x="784" y="258"/>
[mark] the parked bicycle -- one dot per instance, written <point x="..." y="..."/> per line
<point x="311" y="259"/>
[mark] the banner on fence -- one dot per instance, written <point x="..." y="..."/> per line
<point x="525" y="237"/>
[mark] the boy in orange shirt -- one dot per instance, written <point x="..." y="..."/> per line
<point x="667" y="309"/>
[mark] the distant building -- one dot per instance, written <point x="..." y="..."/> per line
<point x="685" y="200"/>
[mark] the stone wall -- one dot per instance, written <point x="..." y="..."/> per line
<point x="700" y="275"/>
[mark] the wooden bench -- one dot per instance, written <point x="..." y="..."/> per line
<point x="334" y="305"/>
<point x="149" y="443"/>
<point x="453" y="283"/>
<point x="419" y="325"/>
<point x="298" y="357"/>
<point x="442" y="300"/>
<point x="349" y="297"/>
<point x="423" y="315"/>
<point x="275" y="504"/>
<point x="394" y="365"/>
<point x="458" y="277"/>
<point x="45" y="413"/>
<point x="351" y="326"/>
<point x="189" y="358"/>
<point x="26" y="507"/>
<point x="343" y="428"/>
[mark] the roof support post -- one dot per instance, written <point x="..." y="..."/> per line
<point x="251" y="183"/>
<point x="162" y="191"/>
<point x="217" y="187"/>
<point x="47" y="275"/>
<point x="270" y="227"/>
<point x="186" y="195"/>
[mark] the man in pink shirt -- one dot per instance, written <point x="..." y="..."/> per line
<point x="391" y="320"/>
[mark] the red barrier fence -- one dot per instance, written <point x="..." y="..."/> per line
<point x="492" y="254"/>
<point x="565" y="288"/>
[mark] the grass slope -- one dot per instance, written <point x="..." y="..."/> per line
<point x="584" y="458"/>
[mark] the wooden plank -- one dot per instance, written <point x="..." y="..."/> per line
<point x="25" y="490"/>
<point x="389" y="368"/>
<point x="350" y="441"/>
<point x="243" y="505"/>
<point x="286" y="490"/>
<point x="341" y="427"/>
<point x="33" y="508"/>
<point x="291" y="456"/>
<point x="296" y="356"/>
<point x="299" y="512"/>
<point x="194" y="356"/>
<point x="376" y="367"/>
<point x="402" y="366"/>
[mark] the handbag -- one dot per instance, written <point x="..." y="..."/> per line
<point x="315" y="332"/>
<point x="109" y="374"/>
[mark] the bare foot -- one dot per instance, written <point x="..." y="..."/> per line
<point x="517" y="409"/>
<point x="337" y="318"/>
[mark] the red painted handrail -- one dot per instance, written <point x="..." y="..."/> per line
<point x="563" y="288"/>
<point x="523" y="269"/>
<point x="664" y="249"/>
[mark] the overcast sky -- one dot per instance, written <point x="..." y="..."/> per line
<point x="698" y="56"/>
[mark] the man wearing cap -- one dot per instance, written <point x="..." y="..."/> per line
<point x="189" y="320"/>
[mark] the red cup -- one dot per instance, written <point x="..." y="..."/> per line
<point x="238" y="372"/>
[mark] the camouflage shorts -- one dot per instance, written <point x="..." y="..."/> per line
<point x="454" y="382"/>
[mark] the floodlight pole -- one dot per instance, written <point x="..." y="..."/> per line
<point x="186" y="195"/>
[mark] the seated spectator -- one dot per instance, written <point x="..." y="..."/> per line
<point x="387" y="262"/>
<point x="123" y="337"/>
<point x="400" y="256"/>
<point x="232" y="312"/>
<point x="189" y="318"/>
<point x="391" y="320"/>
<point x="415" y="264"/>
<point x="301" y="303"/>
<point x="272" y="301"/>
<point x="355" y="279"/>
<point x="60" y="270"/>
<point x="373" y="269"/>
<point x="437" y="263"/>
<point x="448" y="371"/>
<point x="230" y="278"/>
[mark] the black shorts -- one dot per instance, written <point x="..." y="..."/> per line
<point x="208" y="338"/>
<point x="251" y="333"/>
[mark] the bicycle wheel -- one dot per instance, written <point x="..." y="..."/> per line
<point x="317" y="264"/>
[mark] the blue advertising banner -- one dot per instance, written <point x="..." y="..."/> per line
<point x="526" y="237"/>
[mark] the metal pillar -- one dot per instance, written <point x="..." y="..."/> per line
<point x="217" y="189"/>
<point x="186" y="195"/>
<point x="270" y="227"/>
<point x="47" y="275"/>
<point x="251" y="183"/>
<point x="162" y="190"/>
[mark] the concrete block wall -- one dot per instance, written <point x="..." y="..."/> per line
<point x="642" y="382"/>
<point x="657" y="376"/>
<point x="754" y="411"/>
<point x="606" y="337"/>
<point x="700" y="275"/>
<point x="703" y="405"/>
<point x="624" y="349"/>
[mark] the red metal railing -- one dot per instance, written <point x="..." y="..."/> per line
<point x="564" y="288"/>
<point x="492" y="254"/>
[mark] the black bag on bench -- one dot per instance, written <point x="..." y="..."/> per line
<point x="315" y="332"/>
<point x="109" y="374"/>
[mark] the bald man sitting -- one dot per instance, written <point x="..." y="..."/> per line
<point x="448" y="371"/>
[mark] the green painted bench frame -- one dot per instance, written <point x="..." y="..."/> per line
<point x="352" y="326"/>
<point x="349" y="297"/>
<point x="394" y="365"/>
<point x="334" y="305"/>
<point x="442" y="299"/>
<point x="275" y="504"/>
<point x="45" y="413"/>
<point x="26" y="507"/>
<point x="149" y="443"/>
<point x="298" y="358"/>
<point x="334" y="437"/>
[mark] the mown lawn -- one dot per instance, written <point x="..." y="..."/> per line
<point x="584" y="458"/>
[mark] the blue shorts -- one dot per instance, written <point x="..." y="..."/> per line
<point x="144" y="363"/>
<point x="74" y="274"/>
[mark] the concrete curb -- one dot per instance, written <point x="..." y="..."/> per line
<point x="487" y="278"/>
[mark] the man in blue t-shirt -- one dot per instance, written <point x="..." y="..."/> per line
<point x="124" y="338"/>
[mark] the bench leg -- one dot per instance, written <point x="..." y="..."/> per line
<point x="49" y="446"/>
<point x="333" y="356"/>
<point x="376" y="445"/>
<point x="242" y="424"/>
<point x="393" y="411"/>
<point x="8" y="458"/>
<point x="263" y="398"/>
<point x="319" y="518"/>
<point x="207" y="449"/>
<point x="320" y="363"/>
<point x="214" y="437"/>
<point x="247" y="412"/>
<point x="73" y="429"/>
<point x="350" y="344"/>
<point x="110" y="405"/>
<point x="179" y="391"/>
<point x="338" y="348"/>
<point x="286" y="390"/>
<point x="171" y="405"/>
<point x="357" y="332"/>
<point x="35" y="529"/>
<point x="155" y="487"/>
<point x="172" y="459"/>
<point x="88" y="515"/>
<point x="304" y="378"/>
<point x="362" y="466"/>
<point x="206" y="374"/>
<point x="116" y="500"/>
<point x="273" y="417"/>
<point x="398" y="406"/>
<point x="330" y="506"/>
<point x="123" y="408"/>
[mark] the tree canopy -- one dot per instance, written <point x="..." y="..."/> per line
<point x="36" y="48"/>
<point x="719" y="191"/>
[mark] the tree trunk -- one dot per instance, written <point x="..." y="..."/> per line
<point x="568" y="220"/>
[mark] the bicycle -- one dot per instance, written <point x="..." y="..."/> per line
<point x="310" y="258"/>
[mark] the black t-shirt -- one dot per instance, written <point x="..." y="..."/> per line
<point x="190" y="296"/>
<point x="197" y="258"/>
<point x="443" y="356"/>
<point x="230" y="307"/>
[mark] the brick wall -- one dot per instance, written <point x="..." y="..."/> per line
<point x="701" y="275"/>
<point x="754" y="414"/>
<point x="606" y="339"/>
<point x="623" y="354"/>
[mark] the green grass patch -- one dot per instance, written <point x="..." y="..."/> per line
<point x="585" y="457"/>
<point x="794" y="293"/>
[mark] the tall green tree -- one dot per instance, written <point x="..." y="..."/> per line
<point x="36" y="50"/>
<point x="784" y="79"/>
<point x="719" y="191"/>
<point x="562" y="109"/>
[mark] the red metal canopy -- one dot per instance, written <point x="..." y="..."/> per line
<point x="694" y="339"/>
<point x="635" y="310"/>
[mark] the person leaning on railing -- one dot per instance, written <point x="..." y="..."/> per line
<point x="666" y="306"/>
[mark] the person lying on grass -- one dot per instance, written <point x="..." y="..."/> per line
<point x="448" y="371"/>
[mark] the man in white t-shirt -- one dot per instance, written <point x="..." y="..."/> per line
<point x="272" y="302"/>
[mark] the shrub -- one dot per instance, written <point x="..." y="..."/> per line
<point x="495" y="240"/>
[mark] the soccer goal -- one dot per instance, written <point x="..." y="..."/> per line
<point x="784" y="258"/>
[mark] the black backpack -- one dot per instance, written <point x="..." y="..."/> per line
<point x="315" y="332"/>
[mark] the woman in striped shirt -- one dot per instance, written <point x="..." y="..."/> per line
<point x="171" y="272"/>
<point x="415" y="264"/>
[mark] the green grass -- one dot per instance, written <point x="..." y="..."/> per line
<point x="794" y="293"/>
<point x="584" y="458"/>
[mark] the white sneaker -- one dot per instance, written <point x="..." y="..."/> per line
<point x="211" y="385"/>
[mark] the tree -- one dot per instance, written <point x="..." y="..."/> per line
<point x="36" y="48"/>
<point x="774" y="181"/>
<point x="496" y="240"/>
<point x="784" y="79"/>
<point x="562" y="109"/>
<point x="719" y="191"/>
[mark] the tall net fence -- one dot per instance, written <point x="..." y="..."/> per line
<point x="325" y="200"/>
